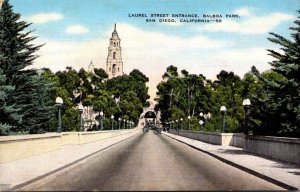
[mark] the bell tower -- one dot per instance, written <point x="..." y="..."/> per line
<point x="114" y="64"/>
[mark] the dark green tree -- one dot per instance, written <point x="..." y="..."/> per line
<point x="16" y="49"/>
<point x="8" y="113"/>
<point x="282" y="110"/>
<point x="35" y="97"/>
<point x="31" y="95"/>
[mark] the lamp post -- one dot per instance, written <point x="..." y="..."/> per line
<point x="223" y="111"/>
<point x="201" y="115"/>
<point x="58" y="103"/>
<point x="80" y="109"/>
<point x="177" y="126"/>
<point x="112" y="122"/>
<point x="120" y="122"/>
<point x="201" y="123"/>
<point x="246" y="104"/>
<point x="101" y="121"/>
<point x="189" y="119"/>
<point x="181" y="120"/>
<point x="124" y="123"/>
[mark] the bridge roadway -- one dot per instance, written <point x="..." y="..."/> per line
<point x="151" y="162"/>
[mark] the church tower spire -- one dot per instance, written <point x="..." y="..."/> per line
<point x="114" y="64"/>
<point x="91" y="67"/>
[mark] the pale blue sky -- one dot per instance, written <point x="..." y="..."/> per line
<point x="98" y="15"/>
<point x="77" y="31"/>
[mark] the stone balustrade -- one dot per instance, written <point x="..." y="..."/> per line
<point x="277" y="148"/>
<point x="22" y="146"/>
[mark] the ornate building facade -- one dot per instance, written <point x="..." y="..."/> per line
<point x="114" y="63"/>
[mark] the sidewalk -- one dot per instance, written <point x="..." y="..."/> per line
<point x="17" y="173"/>
<point x="279" y="173"/>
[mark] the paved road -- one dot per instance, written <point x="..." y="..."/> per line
<point x="151" y="162"/>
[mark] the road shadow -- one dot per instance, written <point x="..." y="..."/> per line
<point x="295" y="172"/>
<point x="295" y="169"/>
<point x="276" y="163"/>
<point x="233" y="151"/>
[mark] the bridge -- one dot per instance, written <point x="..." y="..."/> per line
<point x="136" y="160"/>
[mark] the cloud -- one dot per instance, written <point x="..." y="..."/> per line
<point x="42" y="18"/>
<point x="77" y="29"/>
<point x="241" y="60"/>
<point x="57" y="55"/>
<point x="242" y="11"/>
<point x="250" y="25"/>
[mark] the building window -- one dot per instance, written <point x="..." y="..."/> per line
<point x="118" y="69"/>
<point x="114" y="68"/>
<point x="114" y="44"/>
<point x="114" y="55"/>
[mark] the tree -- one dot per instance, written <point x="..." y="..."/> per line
<point x="34" y="95"/>
<point x="181" y="96"/>
<point x="8" y="113"/>
<point x="31" y="93"/>
<point x="17" y="51"/>
<point x="283" y="101"/>
<point x="171" y="71"/>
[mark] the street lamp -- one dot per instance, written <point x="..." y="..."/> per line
<point x="112" y="122"/>
<point x="201" y="123"/>
<point x="181" y="123"/>
<point x="58" y="103"/>
<point x="246" y="104"/>
<point x="124" y="124"/>
<point x="223" y="111"/>
<point x="201" y="115"/>
<point x="127" y="124"/>
<point x="120" y="122"/>
<point x="80" y="109"/>
<point x="189" y="118"/>
<point x="101" y="116"/>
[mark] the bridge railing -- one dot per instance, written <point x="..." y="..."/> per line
<point x="22" y="146"/>
<point x="278" y="148"/>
